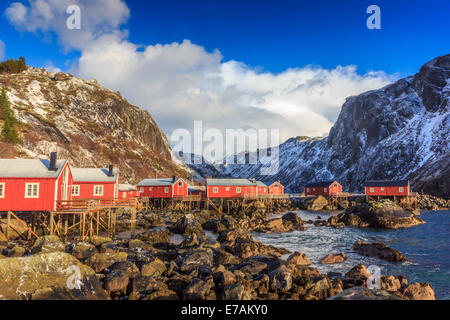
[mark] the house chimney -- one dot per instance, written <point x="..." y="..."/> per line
<point x="111" y="171"/>
<point x="53" y="157"/>
<point x="254" y="180"/>
<point x="173" y="179"/>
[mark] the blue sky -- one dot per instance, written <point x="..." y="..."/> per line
<point x="286" y="65"/>
<point x="275" y="35"/>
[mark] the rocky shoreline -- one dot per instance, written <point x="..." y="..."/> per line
<point x="152" y="266"/>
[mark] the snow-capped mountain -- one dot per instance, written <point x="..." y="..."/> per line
<point x="398" y="132"/>
<point x="86" y="123"/>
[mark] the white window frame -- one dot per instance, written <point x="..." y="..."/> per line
<point x="98" y="194"/>
<point x="77" y="187"/>
<point x="124" y="195"/>
<point x="166" y="190"/>
<point x="325" y="189"/>
<point x="150" y="189"/>
<point x="307" y="189"/>
<point x="2" y="194"/>
<point x="372" y="190"/>
<point x="32" y="190"/>
<point x="227" y="188"/>
<point x="180" y="183"/>
<point x="382" y="188"/>
<point x="275" y="186"/>
<point x="215" y="190"/>
<point x="401" y="189"/>
<point x="142" y="190"/>
<point x="238" y="190"/>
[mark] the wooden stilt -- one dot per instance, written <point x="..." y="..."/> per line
<point x="8" y="225"/>
<point x="52" y="221"/>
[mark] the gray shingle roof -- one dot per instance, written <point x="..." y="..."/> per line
<point x="29" y="168"/>
<point x="321" y="183"/>
<point x="125" y="187"/>
<point x="229" y="182"/>
<point x="386" y="183"/>
<point x="260" y="184"/>
<point x="156" y="182"/>
<point x="93" y="175"/>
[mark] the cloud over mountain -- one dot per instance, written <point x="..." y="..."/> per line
<point x="182" y="82"/>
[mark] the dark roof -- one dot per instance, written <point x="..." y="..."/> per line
<point x="320" y="184"/>
<point x="386" y="183"/>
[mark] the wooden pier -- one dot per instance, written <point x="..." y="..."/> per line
<point x="88" y="217"/>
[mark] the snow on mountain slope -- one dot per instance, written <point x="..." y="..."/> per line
<point x="398" y="132"/>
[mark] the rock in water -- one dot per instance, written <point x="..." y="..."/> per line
<point x="298" y="259"/>
<point x="379" y="250"/>
<point x="383" y="214"/>
<point x="20" y="278"/>
<point x="333" y="258"/>
<point x="420" y="291"/>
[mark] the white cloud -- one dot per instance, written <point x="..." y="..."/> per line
<point x="2" y="50"/>
<point x="182" y="82"/>
<point x="49" y="17"/>
<point x="49" y="66"/>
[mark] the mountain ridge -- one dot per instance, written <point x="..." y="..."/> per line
<point x="86" y="123"/>
<point x="397" y="132"/>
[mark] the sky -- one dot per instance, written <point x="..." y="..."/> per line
<point x="286" y="64"/>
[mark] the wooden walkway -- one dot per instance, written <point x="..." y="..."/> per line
<point x="88" y="217"/>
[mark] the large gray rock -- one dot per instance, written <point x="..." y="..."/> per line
<point x="46" y="275"/>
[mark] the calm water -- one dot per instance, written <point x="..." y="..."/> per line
<point x="427" y="246"/>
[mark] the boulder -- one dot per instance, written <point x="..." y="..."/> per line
<point x="17" y="251"/>
<point x="333" y="258"/>
<point x="127" y="267"/>
<point x="22" y="277"/>
<point x="101" y="261"/>
<point x="158" y="238"/>
<point x="83" y="250"/>
<point x="154" y="268"/>
<point x="419" y="291"/>
<point x="281" y="279"/>
<point x="98" y="241"/>
<point x="142" y="284"/>
<point x="358" y="274"/>
<point x="194" y="259"/>
<point x="361" y="293"/>
<point x="16" y="231"/>
<point x="298" y="259"/>
<point x="48" y="244"/>
<point x="293" y="218"/>
<point x="383" y="214"/>
<point x="116" y="281"/>
<point x="236" y="292"/>
<point x="187" y="225"/>
<point x="379" y="250"/>
<point x="197" y="290"/>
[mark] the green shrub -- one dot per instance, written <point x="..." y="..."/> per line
<point x="13" y="66"/>
<point x="8" y="133"/>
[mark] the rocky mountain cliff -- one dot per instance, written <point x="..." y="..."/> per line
<point x="398" y="132"/>
<point x="86" y="123"/>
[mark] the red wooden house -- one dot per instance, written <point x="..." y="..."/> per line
<point x="387" y="188"/>
<point x="128" y="191"/>
<point x="323" y="188"/>
<point x="94" y="183"/>
<point x="34" y="184"/>
<point x="261" y="188"/>
<point x="163" y="188"/>
<point x="276" y="188"/>
<point x="230" y="188"/>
